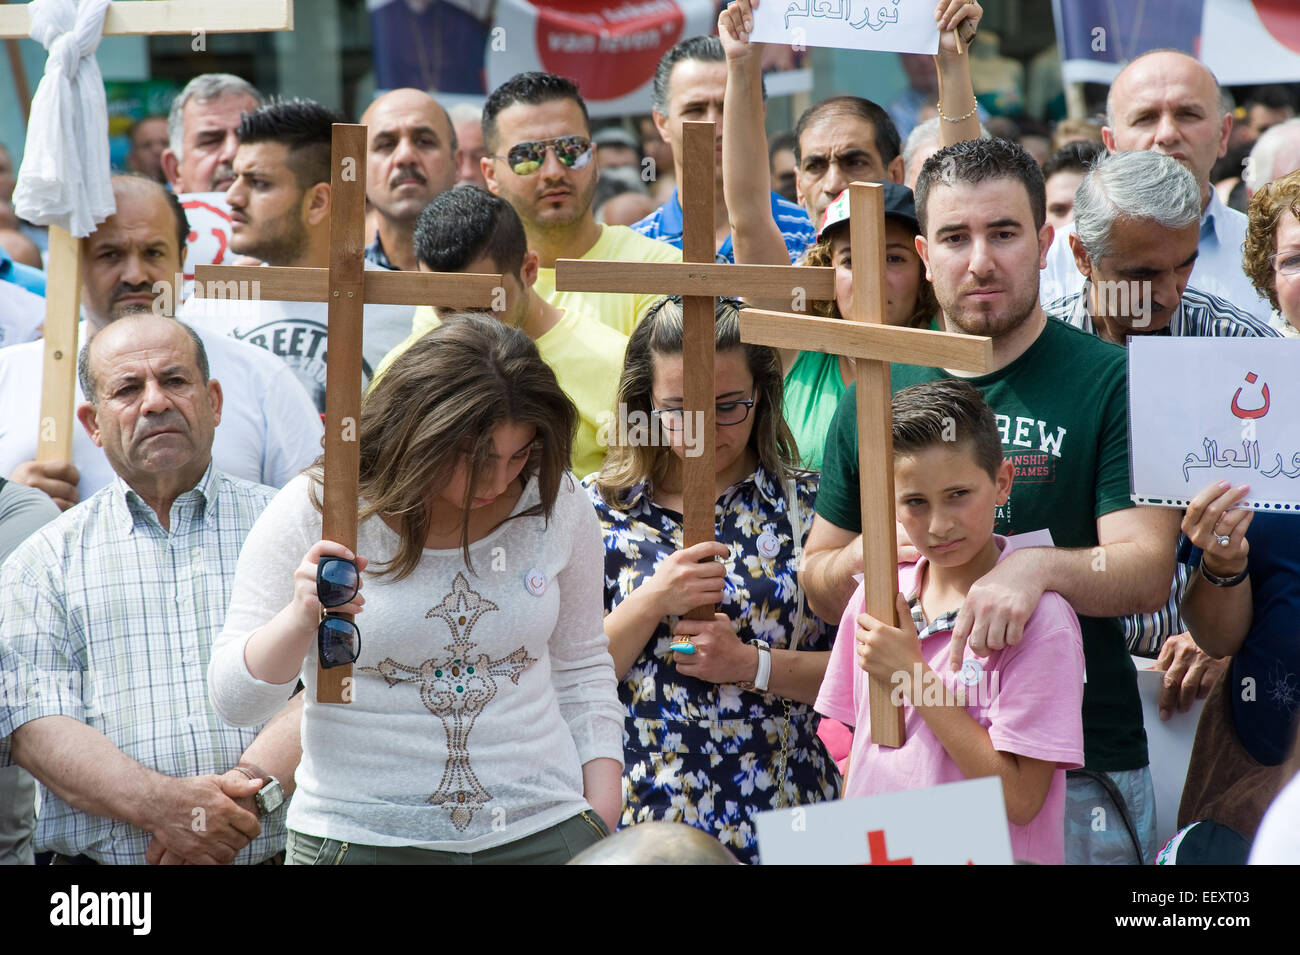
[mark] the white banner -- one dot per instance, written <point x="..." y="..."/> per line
<point x="1252" y="41"/>
<point x="954" y="824"/>
<point x="1215" y="409"/>
<point x="1242" y="41"/>
<point x="883" y="25"/>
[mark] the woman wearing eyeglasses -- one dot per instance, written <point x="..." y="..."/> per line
<point x="484" y="720"/>
<point x="1272" y="250"/>
<point x="722" y="728"/>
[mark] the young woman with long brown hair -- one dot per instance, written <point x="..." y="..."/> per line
<point x="483" y="717"/>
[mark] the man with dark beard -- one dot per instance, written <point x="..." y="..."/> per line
<point x="280" y="215"/>
<point x="1059" y="397"/>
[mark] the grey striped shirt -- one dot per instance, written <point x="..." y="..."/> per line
<point x="109" y="619"/>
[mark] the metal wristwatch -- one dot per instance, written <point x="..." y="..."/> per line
<point x="271" y="796"/>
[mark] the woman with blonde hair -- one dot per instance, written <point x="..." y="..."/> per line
<point x="1271" y="254"/>
<point x="483" y="723"/>
<point x="722" y="728"/>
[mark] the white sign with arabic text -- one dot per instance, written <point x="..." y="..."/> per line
<point x="1215" y="409"/>
<point x="896" y="26"/>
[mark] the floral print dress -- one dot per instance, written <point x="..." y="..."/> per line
<point x="709" y="754"/>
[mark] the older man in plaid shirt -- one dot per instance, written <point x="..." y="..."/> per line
<point x="107" y="615"/>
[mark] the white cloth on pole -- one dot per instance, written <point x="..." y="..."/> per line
<point x="64" y="179"/>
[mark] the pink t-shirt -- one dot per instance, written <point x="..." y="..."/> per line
<point x="1029" y="697"/>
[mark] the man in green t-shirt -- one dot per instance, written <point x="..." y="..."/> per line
<point x="1060" y="402"/>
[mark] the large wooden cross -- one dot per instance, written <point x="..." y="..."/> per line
<point x="699" y="279"/>
<point x="865" y="337"/>
<point x="347" y="287"/>
<point x="63" y="285"/>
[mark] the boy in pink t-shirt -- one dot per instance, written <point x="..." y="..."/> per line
<point x="1015" y="714"/>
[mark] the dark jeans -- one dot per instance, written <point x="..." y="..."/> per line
<point x="553" y="846"/>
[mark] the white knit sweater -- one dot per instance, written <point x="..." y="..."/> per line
<point x="477" y="697"/>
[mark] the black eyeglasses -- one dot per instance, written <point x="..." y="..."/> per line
<point x="525" y="159"/>
<point x="725" y="414"/>
<point x="338" y="641"/>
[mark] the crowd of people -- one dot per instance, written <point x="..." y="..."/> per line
<point x="167" y="596"/>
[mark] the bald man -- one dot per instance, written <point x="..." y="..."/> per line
<point x="411" y="157"/>
<point x="1169" y="102"/>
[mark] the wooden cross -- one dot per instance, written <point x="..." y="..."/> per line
<point x="699" y="279"/>
<point x="63" y="285"/>
<point x="865" y="337"/>
<point x="347" y="287"/>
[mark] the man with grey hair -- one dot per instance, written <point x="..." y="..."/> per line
<point x="690" y="84"/>
<point x="1167" y="102"/>
<point x="107" y="618"/>
<point x="1136" y="232"/>
<point x="1275" y="153"/>
<point x="201" y="132"/>
<point x="1136" y="229"/>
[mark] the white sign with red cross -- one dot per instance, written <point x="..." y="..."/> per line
<point x="954" y="824"/>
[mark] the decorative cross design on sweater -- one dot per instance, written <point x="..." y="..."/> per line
<point x="456" y="689"/>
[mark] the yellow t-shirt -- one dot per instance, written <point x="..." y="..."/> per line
<point x="618" y="310"/>
<point x="587" y="358"/>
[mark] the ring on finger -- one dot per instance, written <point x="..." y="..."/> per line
<point x="1223" y="539"/>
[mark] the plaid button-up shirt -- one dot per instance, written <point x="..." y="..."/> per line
<point x="109" y="619"/>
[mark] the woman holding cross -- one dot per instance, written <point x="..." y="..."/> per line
<point x="721" y="727"/>
<point x="482" y="723"/>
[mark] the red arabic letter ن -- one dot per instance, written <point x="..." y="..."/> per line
<point x="1241" y="412"/>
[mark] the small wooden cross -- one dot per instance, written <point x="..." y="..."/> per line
<point x="699" y="279"/>
<point x="63" y="295"/>
<point x="865" y="337"/>
<point x="347" y="287"/>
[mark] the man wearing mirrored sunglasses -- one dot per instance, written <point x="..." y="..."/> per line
<point x="107" y="617"/>
<point x="541" y="160"/>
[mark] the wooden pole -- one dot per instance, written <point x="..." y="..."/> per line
<point x="59" y="375"/>
<point x="875" y="444"/>
<point x="158" y="17"/>
<point x="346" y="306"/>
<point x="699" y="491"/>
<point x="347" y="287"/>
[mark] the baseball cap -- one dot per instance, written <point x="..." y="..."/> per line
<point x="898" y="204"/>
